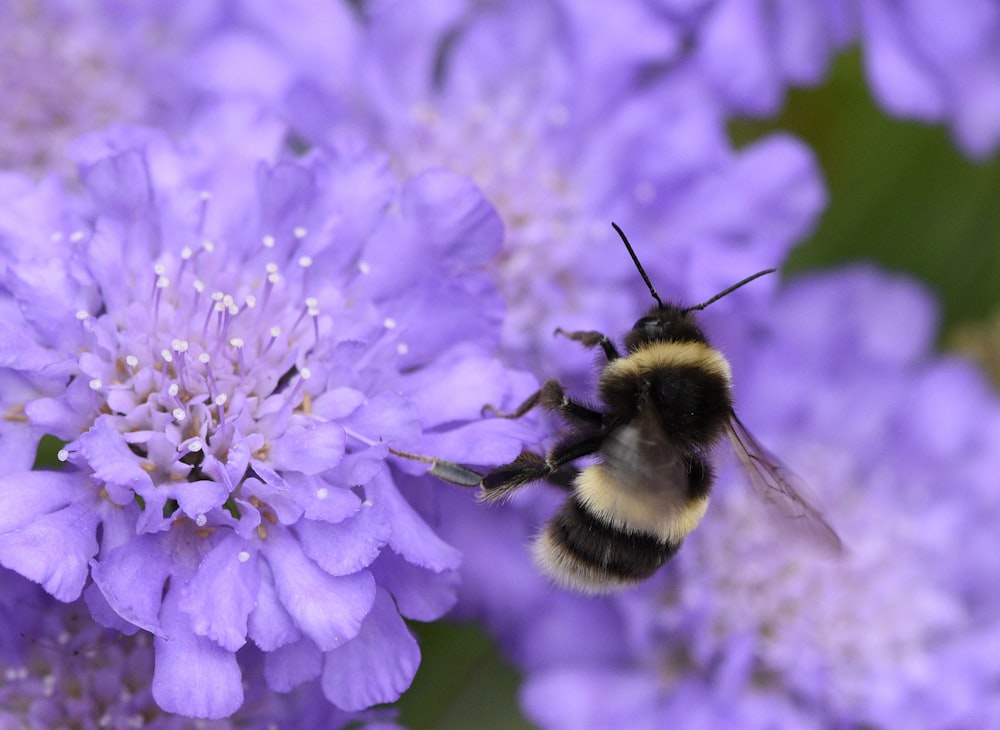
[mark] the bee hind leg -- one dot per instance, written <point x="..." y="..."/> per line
<point x="529" y="467"/>
<point x="526" y="468"/>
<point x="563" y="478"/>
<point x="446" y="471"/>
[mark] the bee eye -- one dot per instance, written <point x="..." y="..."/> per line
<point x="649" y="323"/>
<point x="653" y="325"/>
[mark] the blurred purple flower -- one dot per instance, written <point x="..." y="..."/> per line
<point x="228" y="349"/>
<point x="565" y="121"/>
<point x="61" y="669"/>
<point x="747" y="624"/>
<point x="938" y="63"/>
<point x="73" y="66"/>
<point x="750" y="51"/>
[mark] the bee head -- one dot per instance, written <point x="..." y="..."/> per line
<point x="664" y="323"/>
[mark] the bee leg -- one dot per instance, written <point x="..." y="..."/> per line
<point x="592" y="338"/>
<point x="447" y="471"/>
<point x="529" y="403"/>
<point x="526" y="468"/>
<point x="530" y="467"/>
<point x="552" y="397"/>
<point x="563" y="478"/>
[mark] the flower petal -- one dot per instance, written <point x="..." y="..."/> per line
<point x="193" y="676"/>
<point x="292" y="664"/>
<point x="309" y="450"/>
<point x="200" y="497"/>
<point x="114" y="463"/>
<point x="377" y="665"/>
<point x="387" y="417"/>
<point x="422" y="595"/>
<point x="21" y="352"/>
<point x="456" y="389"/>
<point x="411" y="537"/>
<point x="103" y="614"/>
<point x="338" y="403"/>
<point x="65" y="417"/>
<point x="54" y="549"/>
<point x="120" y="183"/>
<point x="26" y="495"/>
<point x="323" y="499"/>
<point x="451" y="212"/>
<point x="348" y="546"/>
<point x="132" y="577"/>
<point x="270" y="625"/>
<point x="222" y="572"/>
<point x="328" y="609"/>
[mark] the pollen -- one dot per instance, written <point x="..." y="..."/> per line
<point x="15" y="413"/>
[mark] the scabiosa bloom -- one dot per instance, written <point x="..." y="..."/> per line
<point x="750" y="626"/>
<point x="228" y="350"/>
<point x="58" y="668"/>
<point x="565" y="120"/>
<point x="72" y="67"/>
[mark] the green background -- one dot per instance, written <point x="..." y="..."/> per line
<point x="900" y="194"/>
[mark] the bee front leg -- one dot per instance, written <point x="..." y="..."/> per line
<point x="552" y="397"/>
<point x="592" y="338"/>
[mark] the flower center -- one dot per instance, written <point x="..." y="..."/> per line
<point x="202" y="368"/>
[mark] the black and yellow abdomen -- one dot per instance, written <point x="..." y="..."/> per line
<point x="579" y="550"/>
<point x="618" y="528"/>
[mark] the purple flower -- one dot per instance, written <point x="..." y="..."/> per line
<point x="750" y="51"/>
<point x="59" y="667"/>
<point x="73" y="67"/>
<point x="938" y="63"/>
<point x="562" y="130"/>
<point x="229" y="345"/>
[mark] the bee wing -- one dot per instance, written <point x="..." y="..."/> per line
<point x="776" y="485"/>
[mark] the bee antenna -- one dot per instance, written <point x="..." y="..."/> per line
<point x="635" y="260"/>
<point x="730" y="290"/>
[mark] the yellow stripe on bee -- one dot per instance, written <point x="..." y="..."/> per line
<point x="669" y="354"/>
<point x="666" y="514"/>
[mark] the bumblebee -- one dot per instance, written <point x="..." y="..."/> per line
<point x="663" y="405"/>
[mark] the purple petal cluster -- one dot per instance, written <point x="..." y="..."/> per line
<point x="750" y="51"/>
<point x="58" y="668"/>
<point x="539" y="105"/>
<point x="228" y="346"/>
<point x="935" y="62"/>
<point x="938" y="63"/>
<point x="74" y="66"/>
